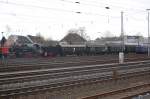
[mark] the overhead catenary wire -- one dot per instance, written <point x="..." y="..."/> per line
<point x="25" y="5"/>
<point x="55" y="9"/>
<point x="62" y="10"/>
<point x="35" y="6"/>
<point x="134" y="18"/>
<point x="26" y="16"/>
<point x="112" y="3"/>
<point x="48" y="8"/>
<point x="98" y="4"/>
<point x="86" y="13"/>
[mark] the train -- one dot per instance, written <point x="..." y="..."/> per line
<point x="142" y="49"/>
<point x="76" y="50"/>
<point x="95" y="49"/>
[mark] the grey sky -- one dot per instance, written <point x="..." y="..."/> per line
<point x="53" y="18"/>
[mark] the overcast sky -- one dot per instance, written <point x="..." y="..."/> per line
<point x="53" y="18"/>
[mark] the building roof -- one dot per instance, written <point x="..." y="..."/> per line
<point x="73" y="38"/>
<point x="18" y="39"/>
<point x="23" y="40"/>
<point x="109" y="39"/>
<point x="50" y="43"/>
<point x="36" y="39"/>
<point x="42" y="41"/>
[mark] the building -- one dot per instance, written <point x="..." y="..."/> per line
<point x="41" y="41"/>
<point x="18" y="40"/>
<point x="72" y="39"/>
<point x="128" y="40"/>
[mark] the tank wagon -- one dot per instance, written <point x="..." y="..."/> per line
<point x="141" y="49"/>
<point x="79" y="50"/>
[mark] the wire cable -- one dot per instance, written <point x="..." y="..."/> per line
<point x="86" y="13"/>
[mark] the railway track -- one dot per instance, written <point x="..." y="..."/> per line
<point x="30" y="81"/>
<point x="59" y="59"/>
<point x="62" y="84"/>
<point x="119" y="93"/>
<point x="48" y="65"/>
<point x="12" y="62"/>
<point x="7" y="78"/>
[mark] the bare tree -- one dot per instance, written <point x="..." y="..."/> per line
<point x="139" y="34"/>
<point x="49" y="39"/>
<point x="8" y="28"/>
<point x="80" y="31"/>
<point x="39" y="35"/>
<point x="73" y="30"/>
<point x="107" y="34"/>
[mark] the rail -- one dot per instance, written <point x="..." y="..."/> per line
<point x="53" y="86"/>
<point x="48" y="65"/>
<point x="74" y="76"/>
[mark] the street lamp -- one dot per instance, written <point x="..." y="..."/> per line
<point x="148" y="33"/>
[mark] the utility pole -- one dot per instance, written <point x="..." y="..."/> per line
<point x="122" y="31"/>
<point x="121" y="54"/>
<point x="148" y="33"/>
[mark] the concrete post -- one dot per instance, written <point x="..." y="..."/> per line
<point x="121" y="57"/>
